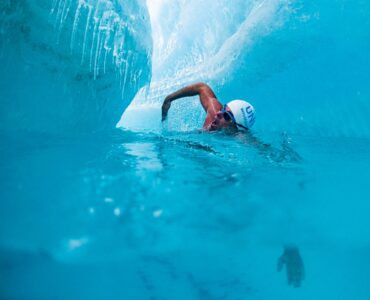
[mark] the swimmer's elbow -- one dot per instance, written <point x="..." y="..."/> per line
<point x="202" y="86"/>
<point x="205" y="90"/>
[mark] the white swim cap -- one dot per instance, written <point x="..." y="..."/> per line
<point x="243" y="112"/>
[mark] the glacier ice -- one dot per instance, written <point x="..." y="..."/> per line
<point x="71" y="65"/>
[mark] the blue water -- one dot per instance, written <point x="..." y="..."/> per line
<point x="164" y="211"/>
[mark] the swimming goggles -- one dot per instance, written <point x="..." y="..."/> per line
<point x="229" y="117"/>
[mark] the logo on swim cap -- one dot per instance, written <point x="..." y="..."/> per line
<point x="244" y="113"/>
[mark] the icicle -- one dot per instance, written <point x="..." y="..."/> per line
<point x="86" y="30"/>
<point x="93" y="43"/>
<point x="60" y="18"/>
<point x="126" y="71"/>
<point x="76" y="22"/>
<point x="58" y="5"/>
<point x="96" y="59"/>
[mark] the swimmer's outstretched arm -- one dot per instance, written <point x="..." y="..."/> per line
<point x="206" y="96"/>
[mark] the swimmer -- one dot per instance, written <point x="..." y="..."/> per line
<point x="233" y="116"/>
<point x="239" y="115"/>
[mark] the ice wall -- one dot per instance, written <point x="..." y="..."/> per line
<point x="303" y="64"/>
<point x="71" y="65"/>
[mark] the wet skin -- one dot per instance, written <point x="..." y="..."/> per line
<point x="215" y="118"/>
<point x="219" y="123"/>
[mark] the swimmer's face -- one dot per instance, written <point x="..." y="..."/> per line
<point x="220" y="122"/>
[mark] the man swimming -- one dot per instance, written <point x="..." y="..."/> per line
<point x="237" y="114"/>
<point x="233" y="116"/>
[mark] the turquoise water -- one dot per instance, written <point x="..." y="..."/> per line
<point x="164" y="211"/>
<point x="184" y="216"/>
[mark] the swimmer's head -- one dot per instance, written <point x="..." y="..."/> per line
<point x="243" y="113"/>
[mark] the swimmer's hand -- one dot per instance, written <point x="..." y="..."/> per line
<point x="294" y="266"/>
<point x="165" y="107"/>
